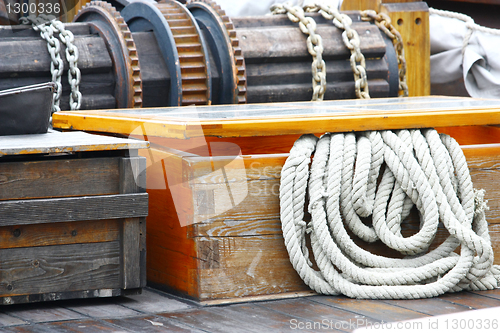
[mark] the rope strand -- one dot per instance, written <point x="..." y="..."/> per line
<point x="383" y="175"/>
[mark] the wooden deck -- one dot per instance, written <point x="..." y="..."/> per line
<point x="154" y="311"/>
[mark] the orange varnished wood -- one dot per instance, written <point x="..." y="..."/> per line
<point x="171" y="253"/>
<point x="473" y="135"/>
<point x="340" y="121"/>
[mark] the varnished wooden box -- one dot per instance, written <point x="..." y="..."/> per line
<point x="72" y="217"/>
<point x="214" y="231"/>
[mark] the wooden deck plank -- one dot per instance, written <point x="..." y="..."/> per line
<point x="153" y="302"/>
<point x="37" y="313"/>
<point x="153" y="324"/>
<point x="7" y="320"/>
<point x="429" y="306"/>
<point x="369" y="308"/>
<point x="306" y="310"/>
<point x="212" y="320"/>
<point x="489" y="293"/>
<point x="272" y="321"/>
<point x="99" y="309"/>
<point x="472" y="300"/>
<point x="81" y="326"/>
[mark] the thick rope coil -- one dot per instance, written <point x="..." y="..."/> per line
<point x="382" y="175"/>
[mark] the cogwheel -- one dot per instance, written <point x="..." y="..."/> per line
<point x="240" y="78"/>
<point x="195" y="74"/>
<point x="118" y="38"/>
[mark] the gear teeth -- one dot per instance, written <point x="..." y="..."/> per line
<point x="133" y="68"/>
<point x="191" y="57"/>
<point x="239" y="60"/>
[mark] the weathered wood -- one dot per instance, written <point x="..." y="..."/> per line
<point x="104" y="207"/>
<point x="69" y="142"/>
<point x="215" y="321"/>
<point x="153" y="324"/>
<point x="429" y="306"/>
<point x="132" y="175"/>
<point x="80" y="326"/>
<point x="370" y="308"/>
<point x="131" y="265"/>
<point x="59" y="178"/>
<point x="46" y="269"/>
<point x="473" y="301"/>
<point x="288" y="42"/>
<point x="24" y="56"/>
<point x="64" y="295"/>
<point x="17" y="236"/>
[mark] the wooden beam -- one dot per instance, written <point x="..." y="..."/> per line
<point x="103" y="207"/>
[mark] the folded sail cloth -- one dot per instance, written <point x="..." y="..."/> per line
<point x="480" y="64"/>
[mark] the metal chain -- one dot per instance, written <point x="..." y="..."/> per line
<point x="351" y="40"/>
<point x="48" y="26"/>
<point x="383" y="22"/>
<point x="314" y="45"/>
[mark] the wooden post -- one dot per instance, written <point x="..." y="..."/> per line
<point x="411" y="19"/>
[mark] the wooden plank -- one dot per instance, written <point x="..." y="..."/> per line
<point x="79" y="326"/>
<point x="153" y="301"/>
<point x="68" y="142"/>
<point x="59" y="233"/>
<point x="287" y="118"/>
<point x="132" y="175"/>
<point x="101" y="308"/>
<point x="45" y="269"/>
<point x="306" y="310"/>
<point x="61" y="295"/>
<point x="258" y="298"/>
<point x="369" y="308"/>
<point x="272" y="321"/>
<point x="489" y="293"/>
<point x="6" y="320"/>
<point x="214" y="321"/>
<point x="245" y="266"/>
<point x="42" y="313"/>
<point x="59" y="178"/>
<point x="104" y="207"/>
<point x="130" y="242"/>
<point x="411" y="19"/>
<point x="428" y="306"/>
<point x="153" y="324"/>
<point x="473" y="301"/>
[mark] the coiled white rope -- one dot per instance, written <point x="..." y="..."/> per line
<point x="382" y="175"/>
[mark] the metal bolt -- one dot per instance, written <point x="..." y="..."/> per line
<point x="74" y="233"/>
<point x="17" y="232"/>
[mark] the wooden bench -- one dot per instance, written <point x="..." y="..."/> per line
<point x="72" y="217"/>
<point x="214" y="231"/>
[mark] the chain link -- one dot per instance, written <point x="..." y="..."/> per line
<point x="48" y="26"/>
<point x="314" y="45"/>
<point x="351" y="40"/>
<point x="383" y="22"/>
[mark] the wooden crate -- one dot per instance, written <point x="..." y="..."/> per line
<point x="72" y="217"/>
<point x="214" y="230"/>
